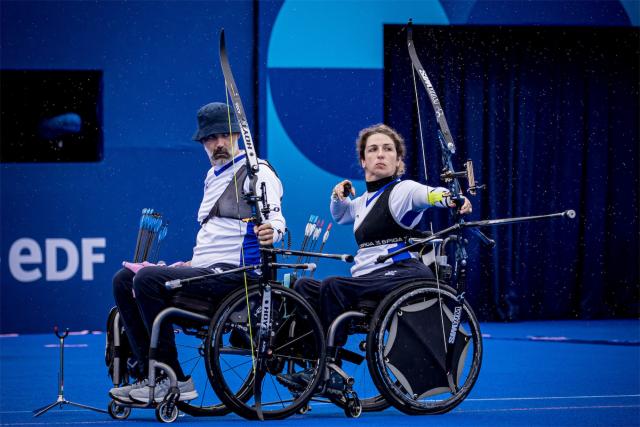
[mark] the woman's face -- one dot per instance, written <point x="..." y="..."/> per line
<point x="380" y="157"/>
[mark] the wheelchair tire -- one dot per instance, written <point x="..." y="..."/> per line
<point x="166" y="412"/>
<point x="199" y="410"/>
<point x="421" y="386"/>
<point x="118" y="411"/>
<point x="353" y="408"/>
<point x="230" y="344"/>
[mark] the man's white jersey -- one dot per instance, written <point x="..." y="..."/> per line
<point x="224" y="240"/>
<point x="407" y="201"/>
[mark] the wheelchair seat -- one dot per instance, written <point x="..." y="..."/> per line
<point x="367" y="306"/>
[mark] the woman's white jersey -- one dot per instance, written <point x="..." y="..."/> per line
<point x="406" y="203"/>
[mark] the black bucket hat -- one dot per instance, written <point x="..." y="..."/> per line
<point x="214" y="118"/>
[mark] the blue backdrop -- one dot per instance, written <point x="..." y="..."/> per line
<point x="307" y="91"/>
<point x="160" y="64"/>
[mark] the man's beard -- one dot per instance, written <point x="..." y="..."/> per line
<point x="221" y="155"/>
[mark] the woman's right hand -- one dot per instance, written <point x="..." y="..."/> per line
<point x="342" y="190"/>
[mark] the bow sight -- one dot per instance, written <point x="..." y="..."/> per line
<point x="448" y="176"/>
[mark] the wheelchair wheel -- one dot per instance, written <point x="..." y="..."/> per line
<point x="231" y="352"/>
<point x="118" y="411"/>
<point x="353" y="408"/>
<point x="407" y="352"/>
<point x="167" y="412"/>
<point x="190" y="345"/>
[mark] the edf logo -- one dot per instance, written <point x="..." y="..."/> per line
<point x="25" y="257"/>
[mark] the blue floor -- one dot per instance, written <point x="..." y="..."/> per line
<point x="562" y="373"/>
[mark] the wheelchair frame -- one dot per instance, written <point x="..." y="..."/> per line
<point x="167" y="409"/>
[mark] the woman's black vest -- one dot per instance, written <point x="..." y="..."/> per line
<point x="379" y="227"/>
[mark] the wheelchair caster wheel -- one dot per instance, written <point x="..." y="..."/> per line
<point x="117" y="411"/>
<point x="167" y="411"/>
<point x="304" y="409"/>
<point x="353" y="409"/>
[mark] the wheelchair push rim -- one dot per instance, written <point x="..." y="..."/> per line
<point x="231" y="352"/>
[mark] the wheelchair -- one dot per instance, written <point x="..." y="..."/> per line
<point x="223" y="346"/>
<point x="424" y="346"/>
<point x="414" y="360"/>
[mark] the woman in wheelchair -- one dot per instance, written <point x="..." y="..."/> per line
<point x="382" y="217"/>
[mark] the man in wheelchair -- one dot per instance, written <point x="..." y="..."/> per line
<point x="382" y="218"/>
<point x="223" y="242"/>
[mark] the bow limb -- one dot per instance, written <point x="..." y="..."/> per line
<point x="252" y="159"/>
<point x="245" y="132"/>
<point x="444" y="134"/>
<point x="433" y="97"/>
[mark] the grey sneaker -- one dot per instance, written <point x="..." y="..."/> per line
<point x="187" y="391"/>
<point x="122" y="393"/>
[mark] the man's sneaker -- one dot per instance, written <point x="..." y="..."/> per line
<point x="298" y="381"/>
<point x="122" y="393"/>
<point x="187" y="391"/>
